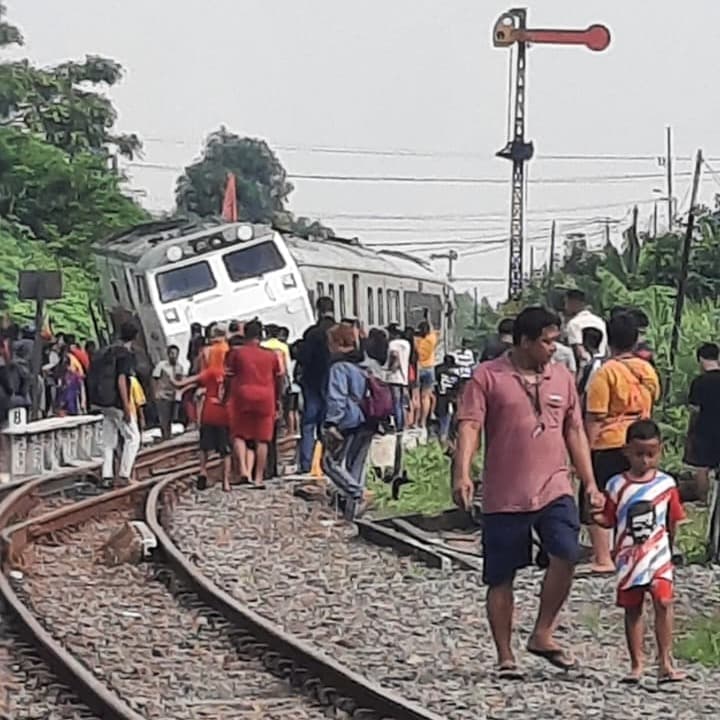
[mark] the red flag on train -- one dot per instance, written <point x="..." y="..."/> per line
<point x="230" y="208"/>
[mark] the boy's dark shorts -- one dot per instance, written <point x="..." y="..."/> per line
<point x="215" y="438"/>
<point x="291" y="402"/>
<point x="507" y="538"/>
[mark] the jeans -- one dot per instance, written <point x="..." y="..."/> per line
<point x="312" y="419"/>
<point x="398" y="394"/>
<point x="345" y="464"/>
<point x="114" y="425"/>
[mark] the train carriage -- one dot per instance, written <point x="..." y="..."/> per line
<point x="172" y="274"/>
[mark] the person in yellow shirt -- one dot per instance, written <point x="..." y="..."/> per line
<point x="624" y="389"/>
<point x="426" y="342"/>
<point x="137" y="403"/>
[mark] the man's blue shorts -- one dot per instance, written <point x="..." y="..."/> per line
<point x="507" y="538"/>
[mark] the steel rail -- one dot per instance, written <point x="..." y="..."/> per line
<point x="343" y="680"/>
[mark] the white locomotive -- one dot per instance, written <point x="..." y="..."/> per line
<point x="172" y="274"/>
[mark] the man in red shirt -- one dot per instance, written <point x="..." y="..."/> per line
<point x="214" y="433"/>
<point x="530" y="413"/>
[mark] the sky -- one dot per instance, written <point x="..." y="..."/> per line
<point x="392" y="76"/>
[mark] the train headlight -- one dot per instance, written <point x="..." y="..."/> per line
<point x="288" y="281"/>
<point x="245" y="233"/>
<point x="174" y="253"/>
<point x="172" y="316"/>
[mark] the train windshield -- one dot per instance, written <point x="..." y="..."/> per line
<point x="184" y="282"/>
<point x="253" y="261"/>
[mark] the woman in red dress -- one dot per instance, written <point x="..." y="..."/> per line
<point x="254" y="376"/>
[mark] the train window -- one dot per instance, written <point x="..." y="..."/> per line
<point x="115" y="291"/>
<point x="142" y="291"/>
<point x="381" y="307"/>
<point x="184" y="282"/>
<point x="416" y="302"/>
<point x="341" y="293"/>
<point x="331" y="291"/>
<point x="370" y="307"/>
<point x="320" y="290"/>
<point x="393" y="306"/>
<point x="253" y="261"/>
<point x="356" y="295"/>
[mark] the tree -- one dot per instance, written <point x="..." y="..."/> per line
<point x="56" y="104"/>
<point x="66" y="201"/>
<point x="262" y="185"/>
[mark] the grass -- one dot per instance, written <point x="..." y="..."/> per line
<point x="429" y="492"/>
<point x="700" y="642"/>
<point x="692" y="535"/>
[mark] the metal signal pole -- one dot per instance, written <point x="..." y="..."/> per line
<point x="511" y="29"/>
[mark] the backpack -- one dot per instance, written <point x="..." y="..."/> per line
<point x="102" y="378"/>
<point x="377" y="403"/>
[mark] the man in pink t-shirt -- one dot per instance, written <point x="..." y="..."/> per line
<point x="530" y="412"/>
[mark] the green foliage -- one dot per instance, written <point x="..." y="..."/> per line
<point x="57" y="104"/>
<point x="20" y="252"/>
<point x="430" y="491"/>
<point x="692" y="535"/>
<point x="700" y="642"/>
<point x="68" y="201"/>
<point x="262" y="185"/>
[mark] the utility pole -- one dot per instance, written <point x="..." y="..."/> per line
<point x="476" y="309"/>
<point x="655" y="220"/>
<point x="684" y="266"/>
<point x="551" y="261"/>
<point x="532" y="262"/>
<point x="451" y="257"/>
<point x="669" y="169"/>
<point x="607" y="231"/>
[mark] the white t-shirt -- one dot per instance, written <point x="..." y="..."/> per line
<point x="585" y="319"/>
<point x="565" y="356"/>
<point x="401" y="348"/>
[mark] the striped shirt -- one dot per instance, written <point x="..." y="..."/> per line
<point x="643" y="515"/>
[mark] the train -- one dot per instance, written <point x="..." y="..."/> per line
<point x="171" y="274"/>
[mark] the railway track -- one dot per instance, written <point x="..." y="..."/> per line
<point x="157" y="640"/>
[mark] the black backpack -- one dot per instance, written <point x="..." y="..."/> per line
<point x="101" y="379"/>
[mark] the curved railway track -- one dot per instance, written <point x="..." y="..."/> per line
<point x="186" y="613"/>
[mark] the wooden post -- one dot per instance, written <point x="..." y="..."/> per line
<point x="684" y="267"/>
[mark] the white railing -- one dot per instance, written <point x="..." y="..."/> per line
<point x="35" y="448"/>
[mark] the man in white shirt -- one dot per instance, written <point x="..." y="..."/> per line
<point x="397" y="373"/>
<point x="579" y="317"/>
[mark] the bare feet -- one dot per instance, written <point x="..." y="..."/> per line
<point x="552" y="653"/>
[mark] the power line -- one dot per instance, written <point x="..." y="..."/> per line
<point x="410" y="152"/>
<point x="417" y="179"/>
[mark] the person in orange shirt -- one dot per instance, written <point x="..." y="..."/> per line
<point x="425" y="345"/>
<point x="623" y="390"/>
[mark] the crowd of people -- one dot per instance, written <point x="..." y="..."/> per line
<point x="553" y="399"/>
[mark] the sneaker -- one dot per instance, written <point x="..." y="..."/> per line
<point x="201" y="482"/>
<point x="106" y="484"/>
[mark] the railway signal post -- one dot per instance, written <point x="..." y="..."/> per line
<point x="511" y="29"/>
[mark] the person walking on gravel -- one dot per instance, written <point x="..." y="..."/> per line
<point x="529" y="410"/>
<point x="643" y="507"/>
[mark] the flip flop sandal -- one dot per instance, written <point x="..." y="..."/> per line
<point x="510" y="672"/>
<point x="671" y="679"/>
<point x="257" y="486"/>
<point x="554" y="657"/>
<point x="630" y="680"/>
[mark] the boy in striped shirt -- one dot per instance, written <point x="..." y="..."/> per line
<point x="643" y="507"/>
